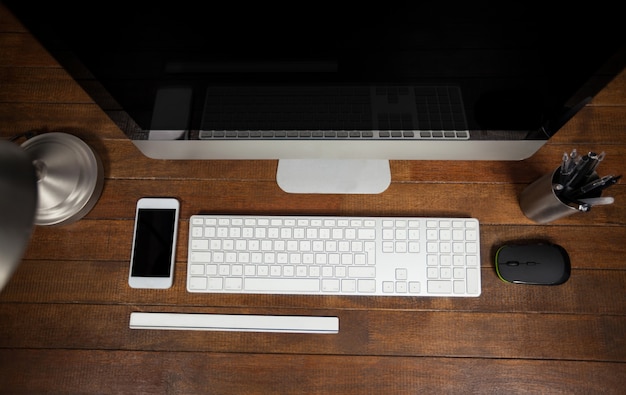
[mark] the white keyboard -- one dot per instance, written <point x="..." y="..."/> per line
<point x="312" y="255"/>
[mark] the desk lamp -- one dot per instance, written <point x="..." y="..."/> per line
<point x="51" y="179"/>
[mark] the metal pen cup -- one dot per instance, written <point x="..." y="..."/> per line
<point x="540" y="203"/>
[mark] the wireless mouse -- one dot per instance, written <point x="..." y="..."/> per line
<point x="534" y="263"/>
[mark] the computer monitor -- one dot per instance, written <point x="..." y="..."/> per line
<point x="334" y="91"/>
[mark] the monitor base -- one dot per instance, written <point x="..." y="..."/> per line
<point x="333" y="176"/>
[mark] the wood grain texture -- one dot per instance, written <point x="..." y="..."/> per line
<point x="64" y="315"/>
<point x="115" y="371"/>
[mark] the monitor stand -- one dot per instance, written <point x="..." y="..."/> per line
<point x="333" y="176"/>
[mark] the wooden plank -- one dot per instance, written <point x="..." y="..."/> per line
<point x="116" y="371"/>
<point x="613" y="92"/>
<point x="40" y="85"/>
<point x="593" y="124"/>
<point x="362" y="332"/>
<point x="490" y="203"/>
<point x="114" y="237"/>
<point x="89" y="281"/>
<point x="20" y="49"/>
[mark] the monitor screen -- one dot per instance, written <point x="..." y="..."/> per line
<point x="323" y="80"/>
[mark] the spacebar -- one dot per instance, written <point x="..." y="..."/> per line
<point x="282" y="284"/>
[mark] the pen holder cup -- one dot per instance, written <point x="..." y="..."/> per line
<point x="540" y="203"/>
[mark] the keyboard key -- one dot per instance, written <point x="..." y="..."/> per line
<point x="459" y="287"/>
<point x="367" y="286"/>
<point x="362" y="272"/>
<point x="473" y="281"/>
<point x="282" y="285"/>
<point x="348" y="285"/>
<point x="440" y="287"/>
<point x="330" y="285"/>
<point x="197" y="283"/>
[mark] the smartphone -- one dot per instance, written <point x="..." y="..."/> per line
<point x="154" y="243"/>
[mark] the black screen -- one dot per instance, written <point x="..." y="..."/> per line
<point x="518" y="67"/>
<point x="153" y="242"/>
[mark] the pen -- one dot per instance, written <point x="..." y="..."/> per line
<point x="594" y="185"/>
<point x="599" y="159"/>
<point x="611" y="181"/>
<point x="573" y="159"/>
<point x="564" y="169"/>
<point x="580" y="172"/>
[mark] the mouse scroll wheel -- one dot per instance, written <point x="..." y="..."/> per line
<point x="531" y="263"/>
<point x="512" y="263"/>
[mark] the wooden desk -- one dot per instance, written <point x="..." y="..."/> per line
<point x="64" y="315"/>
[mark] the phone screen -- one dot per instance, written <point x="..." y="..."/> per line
<point x="154" y="241"/>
